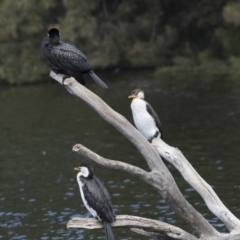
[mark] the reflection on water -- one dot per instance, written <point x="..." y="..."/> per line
<point x="40" y="124"/>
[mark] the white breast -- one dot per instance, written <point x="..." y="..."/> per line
<point x="91" y="210"/>
<point x="142" y="119"/>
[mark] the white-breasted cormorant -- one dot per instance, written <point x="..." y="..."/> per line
<point x="145" y="118"/>
<point x="96" y="198"/>
<point x="67" y="58"/>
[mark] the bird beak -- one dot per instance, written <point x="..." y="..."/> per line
<point x="133" y="96"/>
<point x="77" y="169"/>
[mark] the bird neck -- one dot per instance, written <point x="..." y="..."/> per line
<point x="138" y="100"/>
<point x="54" y="40"/>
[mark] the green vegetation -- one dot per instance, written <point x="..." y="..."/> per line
<point x="159" y="34"/>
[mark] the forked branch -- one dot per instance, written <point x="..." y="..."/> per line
<point x="215" y="205"/>
<point x="159" y="177"/>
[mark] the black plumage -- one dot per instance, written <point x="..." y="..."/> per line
<point x="96" y="198"/>
<point x="67" y="58"/>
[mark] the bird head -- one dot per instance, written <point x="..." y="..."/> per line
<point x="137" y="93"/>
<point x="85" y="170"/>
<point x="54" y="36"/>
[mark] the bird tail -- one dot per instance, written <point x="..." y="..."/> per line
<point x="97" y="79"/>
<point x="108" y="231"/>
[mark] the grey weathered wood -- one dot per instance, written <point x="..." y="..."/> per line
<point x="134" y="222"/>
<point x="157" y="236"/>
<point x="151" y="228"/>
<point x="113" y="164"/>
<point x="159" y="176"/>
<point x="215" y="205"/>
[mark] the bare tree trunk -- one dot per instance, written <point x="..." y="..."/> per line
<point x="159" y="176"/>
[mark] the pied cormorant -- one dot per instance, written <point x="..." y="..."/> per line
<point x="96" y="198"/>
<point x="67" y="58"/>
<point x="145" y="118"/>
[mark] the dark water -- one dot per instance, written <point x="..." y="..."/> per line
<point x="40" y="124"/>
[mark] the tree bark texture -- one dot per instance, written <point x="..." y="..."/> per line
<point x="159" y="176"/>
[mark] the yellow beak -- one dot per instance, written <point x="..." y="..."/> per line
<point x="133" y="96"/>
<point x="77" y="169"/>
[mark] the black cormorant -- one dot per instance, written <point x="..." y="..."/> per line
<point x="96" y="198"/>
<point x="67" y="58"/>
<point x="145" y="118"/>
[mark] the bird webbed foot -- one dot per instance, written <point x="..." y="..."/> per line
<point x="58" y="71"/>
<point x="63" y="79"/>
<point x="157" y="134"/>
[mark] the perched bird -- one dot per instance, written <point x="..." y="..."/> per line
<point x="96" y="198"/>
<point x="67" y="58"/>
<point x="145" y="118"/>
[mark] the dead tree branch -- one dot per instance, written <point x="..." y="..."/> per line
<point x="159" y="177"/>
<point x="215" y="205"/>
<point x="112" y="164"/>
<point x="126" y="221"/>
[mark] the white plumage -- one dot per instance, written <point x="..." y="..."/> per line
<point x="96" y="198"/>
<point x="144" y="117"/>
<point x="80" y="184"/>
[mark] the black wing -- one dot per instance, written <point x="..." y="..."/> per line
<point x="99" y="199"/>
<point x="155" y="117"/>
<point x="69" y="58"/>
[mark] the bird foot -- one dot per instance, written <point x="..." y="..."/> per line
<point x="63" y="79"/>
<point x="58" y="71"/>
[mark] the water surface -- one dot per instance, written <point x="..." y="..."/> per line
<point x="39" y="124"/>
